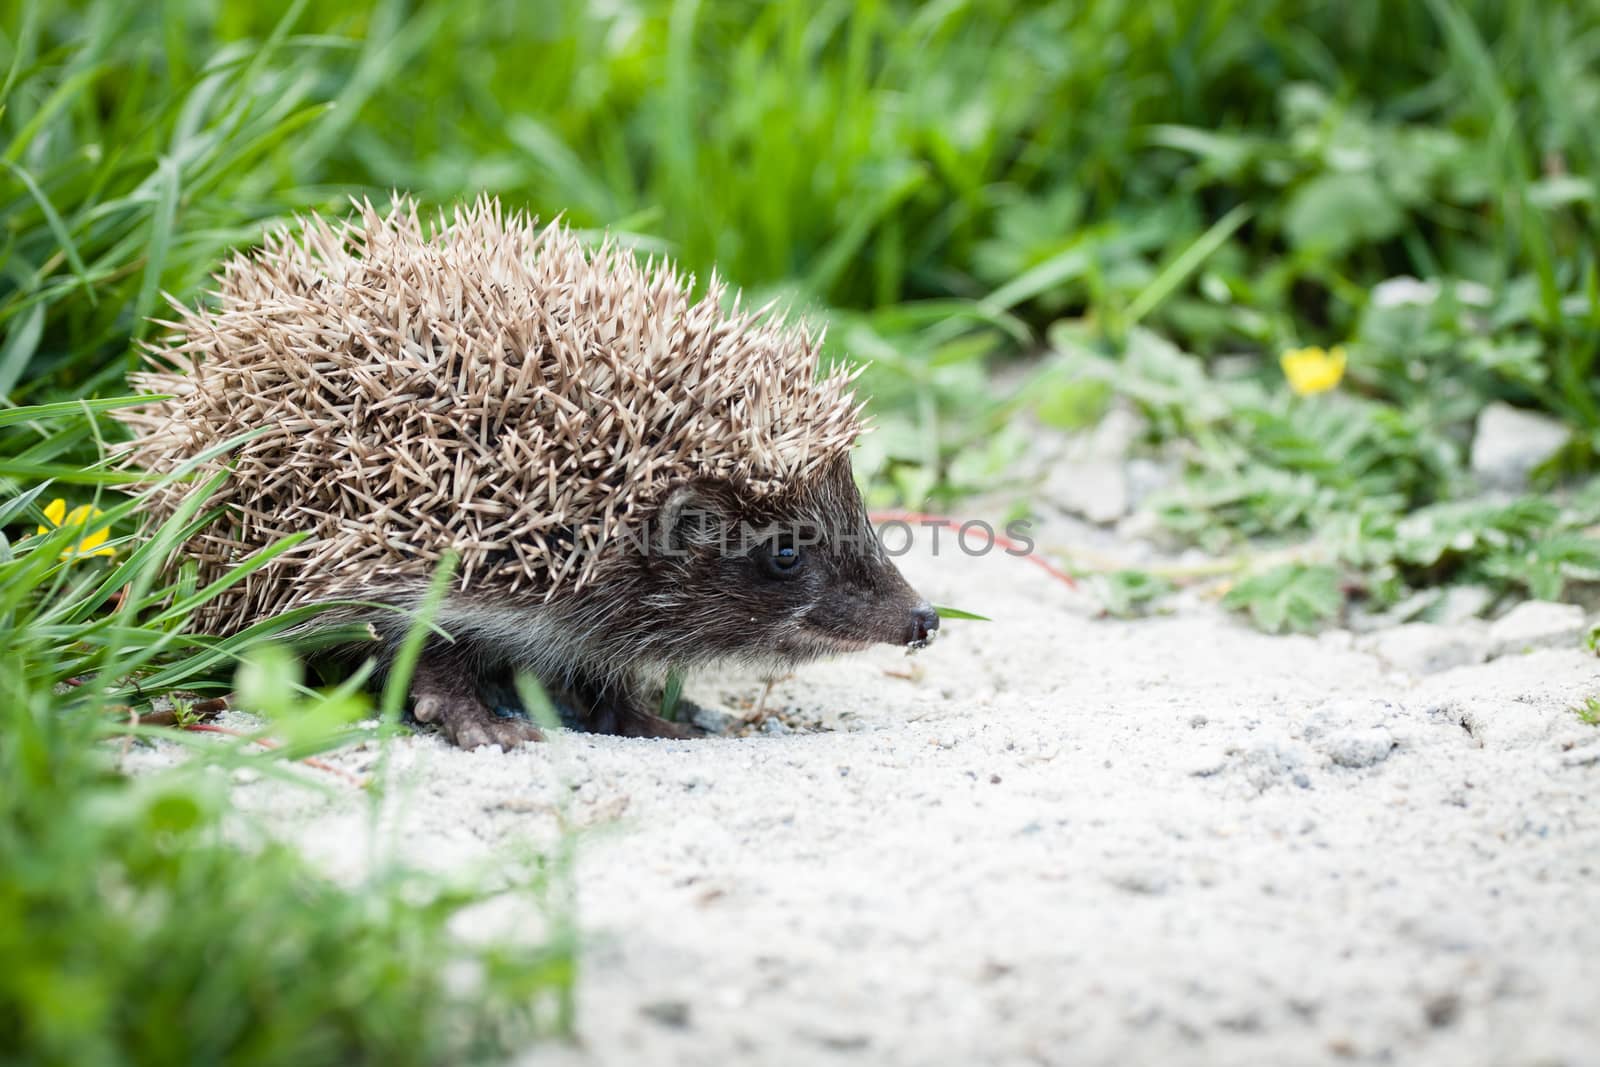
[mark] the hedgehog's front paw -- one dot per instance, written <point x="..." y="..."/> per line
<point x="469" y="724"/>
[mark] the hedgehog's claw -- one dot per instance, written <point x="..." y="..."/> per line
<point x="473" y="732"/>
<point x="440" y="697"/>
<point x="469" y="724"/>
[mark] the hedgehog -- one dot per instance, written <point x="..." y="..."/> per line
<point x="632" y="481"/>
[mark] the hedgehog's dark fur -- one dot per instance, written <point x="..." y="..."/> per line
<point x="622" y="472"/>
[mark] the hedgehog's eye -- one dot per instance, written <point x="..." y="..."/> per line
<point x="783" y="560"/>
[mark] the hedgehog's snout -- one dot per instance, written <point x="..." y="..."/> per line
<point x="924" y="625"/>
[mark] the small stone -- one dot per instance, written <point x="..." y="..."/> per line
<point x="1336" y="640"/>
<point x="1442" y="1010"/>
<point x="1404" y="290"/>
<point x="1205" y="762"/>
<point x="1536" y="624"/>
<point x="1269" y="761"/>
<point x="605" y="810"/>
<point x="1359" y="748"/>
<point x="1462" y="603"/>
<point x="1510" y="443"/>
<point x="669" y="1013"/>
<point x="713" y="720"/>
<point x="1097" y="489"/>
<point x="520" y="805"/>
<point x="993" y="970"/>
<point x="1139" y="532"/>
<point x="1340" y="713"/>
<point x="1143" y="881"/>
<point x="1090" y="477"/>
<point x="1146" y="477"/>
<point x="1427" y="648"/>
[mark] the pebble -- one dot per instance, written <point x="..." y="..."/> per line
<point x="670" y="1013"/>
<point x="1428" y="648"/>
<point x="1142" y="881"/>
<point x="1091" y="478"/>
<point x="1510" y="442"/>
<point x="1205" y="762"/>
<point x="1269" y="761"/>
<point x="1359" y="748"/>
<point x="713" y="720"/>
<point x="1536" y="624"/>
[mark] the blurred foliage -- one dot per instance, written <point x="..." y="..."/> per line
<point x="1377" y="489"/>
<point x="1291" y="596"/>
<point x="1127" y="593"/>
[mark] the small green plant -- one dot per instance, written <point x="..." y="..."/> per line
<point x="1589" y="711"/>
<point x="671" y="695"/>
<point x="1128" y="593"/>
<point x="959" y="613"/>
<point x="1377" y="491"/>
<point x="1292" y="596"/>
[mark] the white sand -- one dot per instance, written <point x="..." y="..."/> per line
<point x="1066" y="840"/>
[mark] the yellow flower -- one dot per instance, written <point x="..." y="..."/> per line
<point x="1312" y="370"/>
<point x="92" y="543"/>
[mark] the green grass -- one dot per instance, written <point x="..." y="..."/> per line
<point x="143" y="921"/>
<point x="1145" y="202"/>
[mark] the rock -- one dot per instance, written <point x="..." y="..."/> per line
<point x="1117" y="432"/>
<point x="712" y="720"/>
<point x="1141" y="879"/>
<point x="1146" y="477"/>
<point x="1204" y="762"/>
<point x="1359" y="748"/>
<point x="1097" y="489"/>
<point x="1406" y="291"/>
<point x="1461" y="603"/>
<point x="1090" y="476"/>
<point x="1141" y="530"/>
<point x="1510" y="442"/>
<point x="1442" y="1009"/>
<point x="1271" y="760"/>
<point x="1536" y="624"/>
<point x="1427" y="648"/>
<point x="1583" y="757"/>
<point x="670" y="1013"/>
<point x="1344" y="713"/>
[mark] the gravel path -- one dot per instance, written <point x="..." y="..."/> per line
<point x="1059" y="839"/>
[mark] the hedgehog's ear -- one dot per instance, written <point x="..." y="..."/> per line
<point x="694" y="516"/>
